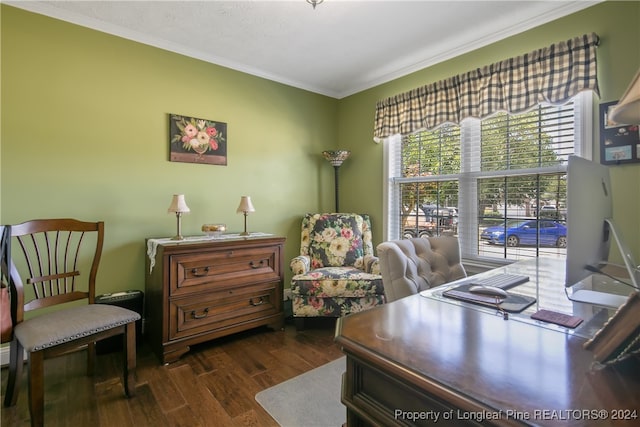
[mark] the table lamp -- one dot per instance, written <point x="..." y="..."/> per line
<point x="179" y="206"/>
<point x="245" y="207"/>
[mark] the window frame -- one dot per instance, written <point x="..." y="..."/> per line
<point x="468" y="206"/>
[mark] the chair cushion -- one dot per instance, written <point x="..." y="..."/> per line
<point x="58" y="327"/>
<point x="335" y="239"/>
<point x="337" y="282"/>
<point x="306" y="306"/>
<point x="410" y="266"/>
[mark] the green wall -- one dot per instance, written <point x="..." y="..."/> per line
<point x="617" y="24"/>
<point x="85" y="134"/>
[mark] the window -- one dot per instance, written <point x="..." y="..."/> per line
<point x="498" y="184"/>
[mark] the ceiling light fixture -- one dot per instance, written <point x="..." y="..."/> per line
<point x="314" y="3"/>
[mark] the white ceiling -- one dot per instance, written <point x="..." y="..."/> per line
<point x="339" y="48"/>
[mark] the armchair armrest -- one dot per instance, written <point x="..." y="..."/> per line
<point x="371" y="264"/>
<point x="300" y="264"/>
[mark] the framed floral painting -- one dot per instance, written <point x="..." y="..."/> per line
<point x="194" y="140"/>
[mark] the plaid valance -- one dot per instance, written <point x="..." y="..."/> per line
<point x="551" y="74"/>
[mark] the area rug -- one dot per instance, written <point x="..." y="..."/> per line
<point x="308" y="400"/>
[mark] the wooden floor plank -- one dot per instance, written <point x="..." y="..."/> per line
<point x="228" y="389"/>
<point x="198" y="397"/>
<point x="145" y="410"/>
<point x="212" y="385"/>
<point x="254" y="419"/>
<point x="113" y="406"/>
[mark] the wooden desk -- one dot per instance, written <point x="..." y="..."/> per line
<point x="424" y="359"/>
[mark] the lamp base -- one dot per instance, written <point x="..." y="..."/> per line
<point x="178" y="235"/>
<point x="245" y="232"/>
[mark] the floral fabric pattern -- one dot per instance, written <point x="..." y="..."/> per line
<point x="332" y="240"/>
<point x="304" y="306"/>
<point x="300" y="264"/>
<point x="337" y="281"/>
<point x="336" y="272"/>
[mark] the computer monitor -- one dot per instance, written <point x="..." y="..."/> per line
<point x="590" y="230"/>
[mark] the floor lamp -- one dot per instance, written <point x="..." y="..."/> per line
<point x="336" y="158"/>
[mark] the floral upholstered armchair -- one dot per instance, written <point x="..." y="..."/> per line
<point x="336" y="272"/>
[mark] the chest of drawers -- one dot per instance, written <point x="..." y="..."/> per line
<point x="201" y="290"/>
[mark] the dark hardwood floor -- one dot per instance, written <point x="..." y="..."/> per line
<point x="212" y="385"/>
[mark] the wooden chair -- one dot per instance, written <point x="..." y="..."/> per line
<point x="56" y="252"/>
<point x="5" y="308"/>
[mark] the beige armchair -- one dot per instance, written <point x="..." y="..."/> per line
<point x="410" y="266"/>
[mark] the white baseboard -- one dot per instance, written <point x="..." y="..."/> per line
<point x="4" y="355"/>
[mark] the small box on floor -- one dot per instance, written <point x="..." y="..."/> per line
<point x="132" y="300"/>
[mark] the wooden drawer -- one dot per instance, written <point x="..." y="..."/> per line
<point x="204" y="289"/>
<point x="218" y="310"/>
<point x="212" y="271"/>
<point x="374" y="395"/>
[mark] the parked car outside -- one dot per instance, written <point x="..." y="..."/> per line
<point x="525" y="232"/>
<point x="444" y="217"/>
<point x="417" y="225"/>
<point x="553" y="213"/>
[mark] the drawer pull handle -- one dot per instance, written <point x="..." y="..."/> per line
<point x="254" y="303"/>
<point x="258" y="265"/>
<point x="194" y="271"/>
<point x="200" y="316"/>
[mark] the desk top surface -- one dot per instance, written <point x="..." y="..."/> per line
<point x="488" y="362"/>
<point x="546" y="285"/>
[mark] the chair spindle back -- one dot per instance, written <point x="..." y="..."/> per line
<point x="54" y="256"/>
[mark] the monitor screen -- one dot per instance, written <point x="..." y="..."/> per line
<point x="589" y="205"/>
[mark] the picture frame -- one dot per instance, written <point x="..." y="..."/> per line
<point x="619" y="143"/>
<point x="196" y="140"/>
<point x="620" y="335"/>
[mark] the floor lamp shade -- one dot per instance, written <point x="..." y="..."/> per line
<point x="336" y="158"/>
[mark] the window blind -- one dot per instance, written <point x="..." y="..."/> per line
<point x="462" y="179"/>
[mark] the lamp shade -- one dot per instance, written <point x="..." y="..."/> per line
<point x="627" y="111"/>
<point x="336" y="157"/>
<point x="245" y="205"/>
<point x="178" y="204"/>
